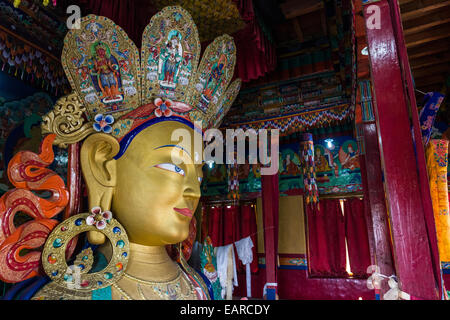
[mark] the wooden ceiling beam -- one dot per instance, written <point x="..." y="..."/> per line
<point x="323" y="21"/>
<point x="429" y="49"/>
<point x="429" y="88"/>
<point x="438" y="69"/>
<point x="297" y="29"/>
<point x="425" y="84"/>
<point x="430" y="84"/>
<point x="424" y="9"/>
<point x="403" y="2"/>
<point x="429" y="60"/>
<point x="295" y="8"/>
<point x="436" y="33"/>
<point x="424" y="23"/>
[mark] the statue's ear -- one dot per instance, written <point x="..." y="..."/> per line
<point x="97" y="163"/>
<point x="99" y="172"/>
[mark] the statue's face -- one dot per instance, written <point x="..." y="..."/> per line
<point x="155" y="198"/>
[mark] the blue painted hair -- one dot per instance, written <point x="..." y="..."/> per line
<point x="126" y="140"/>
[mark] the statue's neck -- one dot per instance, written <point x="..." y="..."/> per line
<point x="151" y="263"/>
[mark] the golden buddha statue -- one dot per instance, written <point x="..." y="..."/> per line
<point x="143" y="186"/>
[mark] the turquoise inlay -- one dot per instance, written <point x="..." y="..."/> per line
<point x="102" y="294"/>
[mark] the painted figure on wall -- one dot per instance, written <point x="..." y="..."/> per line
<point x="348" y="156"/>
<point x="321" y="161"/>
<point x="289" y="167"/>
<point x="105" y="72"/>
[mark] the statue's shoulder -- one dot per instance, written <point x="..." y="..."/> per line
<point x="52" y="291"/>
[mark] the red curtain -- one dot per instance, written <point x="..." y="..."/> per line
<point x="215" y="225"/>
<point x="230" y="233"/>
<point x="223" y="224"/>
<point x="326" y="239"/>
<point x="255" y="55"/>
<point x="357" y="236"/>
<point x="230" y="223"/>
<point x="132" y="16"/>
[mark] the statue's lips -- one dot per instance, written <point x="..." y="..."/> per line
<point x="185" y="212"/>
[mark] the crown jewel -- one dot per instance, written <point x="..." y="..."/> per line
<point x="118" y="88"/>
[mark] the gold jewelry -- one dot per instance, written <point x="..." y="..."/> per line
<point x="126" y="275"/>
<point x="127" y="297"/>
<point x="167" y="290"/>
<point x="55" y="265"/>
<point x="192" y="272"/>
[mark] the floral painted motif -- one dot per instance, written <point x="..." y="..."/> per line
<point x="163" y="107"/>
<point x="103" y="123"/>
<point x="99" y="218"/>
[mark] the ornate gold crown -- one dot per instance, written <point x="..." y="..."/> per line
<point x="116" y="89"/>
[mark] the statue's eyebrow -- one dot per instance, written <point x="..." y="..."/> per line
<point x="174" y="145"/>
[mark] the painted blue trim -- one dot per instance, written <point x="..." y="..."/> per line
<point x="173" y="145"/>
<point x="207" y="283"/>
<point x="263" y="266"/>
<point x="271" y="294"/>
<point x="11" y="293"/>
<point x="446" y="271"/>
<point x="126" y="140"/>
<point x="293" y="267"/>
<point x="31" y="290"/>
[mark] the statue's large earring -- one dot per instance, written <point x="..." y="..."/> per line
<point x="77" y="276"/>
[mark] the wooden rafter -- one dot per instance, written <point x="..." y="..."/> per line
<point x="323" y="21"/>
<point x="428" y="61"/>
<point x="297" y="29"/>
<point x="295" y="8"/>
<point x="429" y="49"/>
<point x="436" y="33"/>
<point x="423" y="8"/>
<point x="437" y="69"/>
<point x="425" y="23"/>
<point x="403" y="2"/>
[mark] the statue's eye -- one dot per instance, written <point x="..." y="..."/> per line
<point x="170" y="167"/>
<point x="200" y="179"/>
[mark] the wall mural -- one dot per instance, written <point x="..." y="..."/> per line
<point x="337" y="170"/>
<point x="337" y="165"/>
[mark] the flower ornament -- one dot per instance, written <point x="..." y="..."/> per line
<point x="99" y="218"/>
<point x="103" y="123"/>
<point x="163" y="107"/>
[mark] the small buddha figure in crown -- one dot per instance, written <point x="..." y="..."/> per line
<point x="170" y="58"/>
<point x="106" y="74"/>
<point x="143" y="187"/>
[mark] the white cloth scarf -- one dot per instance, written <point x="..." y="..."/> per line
<point x="245" y="254"/>
<point x="222" y="269"/>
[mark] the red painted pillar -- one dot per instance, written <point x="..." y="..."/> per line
<point x="374" y="195"/>
<point x="372" y="178"/>
<point x="411" y="243"/>
<point x="270" y="194"/>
